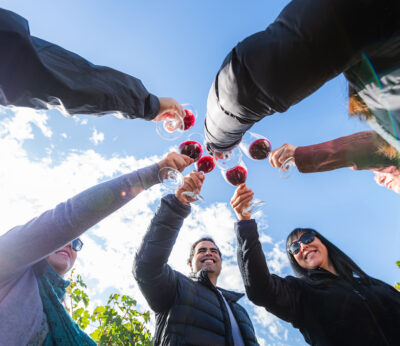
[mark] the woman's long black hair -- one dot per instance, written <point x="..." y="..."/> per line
<point x="343" y="264"/>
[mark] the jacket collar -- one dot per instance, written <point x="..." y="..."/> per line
<point x="320" y="273"/>
<point x="202" y="277"/>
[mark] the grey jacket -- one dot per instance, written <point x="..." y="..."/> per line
<point x="21" y="247"/>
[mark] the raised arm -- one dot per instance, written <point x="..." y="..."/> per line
<point x="24" y="245"/>
<point x="359" y="151"/>
<point x="279" y="296"/>
<point x="34" y="72"/>
<point x="156" y="279"/>
<point x="308" y="44"/>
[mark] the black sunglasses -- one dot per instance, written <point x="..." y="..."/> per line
<point x="306" y="238"/>
<point x="77" y="244"/>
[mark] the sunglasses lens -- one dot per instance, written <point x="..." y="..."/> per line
<point x="306" y="238"/>
<point x="77" y="244"/>
<point x="294" y="248"/>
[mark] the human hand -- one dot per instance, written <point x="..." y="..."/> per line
<point x="176" y="161"/>
<point x="192" y="183"/>
<point x="169" y="106"/>
<point x="280" y="155"/>
<point x="241" y="200"/>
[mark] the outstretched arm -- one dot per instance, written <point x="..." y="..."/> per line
<point x="24" y="245"/>
<point x="34" y="73"/>
<point x="359" y="151"/>
<point x="309" y="43"/>
<point x="156" y="279"/>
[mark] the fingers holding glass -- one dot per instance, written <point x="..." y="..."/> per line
<point x="189" y="191"/>
<point x="172" y="120"/>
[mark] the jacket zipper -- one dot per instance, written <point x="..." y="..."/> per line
<point x="364" y="299"/>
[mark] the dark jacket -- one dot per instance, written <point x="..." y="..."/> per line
<point x="359" y="151"/>
<point x="308" y="44"/>
<point x="34" y="72"/>
<point x="188" y="311"/>
<point x="327" y="309"/>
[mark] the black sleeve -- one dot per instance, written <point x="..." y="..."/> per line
<point x="156" y="279"/>
<point x="309" y="43"/>
<point x="280" y="296"/>
<point x="36" y="73"/>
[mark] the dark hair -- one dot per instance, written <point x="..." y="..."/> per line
<point x="342" y="263"/>
<point x="191" y="255"/>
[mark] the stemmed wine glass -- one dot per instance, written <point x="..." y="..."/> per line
<point x="234" y="171"/>
<point x="192" y="146"/>
<point x="173" y="126"/>
<point x="258" y="147"/>
<point x="173" y="179"/>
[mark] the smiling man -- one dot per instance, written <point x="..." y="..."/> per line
<point x="189" y="310"/>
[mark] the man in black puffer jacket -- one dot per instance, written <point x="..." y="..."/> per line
<point x="189" y="311"/>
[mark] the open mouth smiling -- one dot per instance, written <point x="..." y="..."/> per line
<point x="64" y="252"/>
<point x="309" y="253"/>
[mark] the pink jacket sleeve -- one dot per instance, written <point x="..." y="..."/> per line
<point x="358" y="151"/>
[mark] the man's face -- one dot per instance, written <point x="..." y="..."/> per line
<point x="390" y="181"/>
<point x="206" y="257"/>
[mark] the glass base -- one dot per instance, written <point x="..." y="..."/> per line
<point x="287" y="168"/>
<point x="255" y="207"/>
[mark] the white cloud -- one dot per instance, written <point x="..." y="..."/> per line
<point x="19" y="127"/>
<point x="106" y="260"/>
<point x="277" y="258"/>
<point x="97" y="137"/>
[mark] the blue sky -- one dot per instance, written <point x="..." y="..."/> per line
<point x="175" y="48"/>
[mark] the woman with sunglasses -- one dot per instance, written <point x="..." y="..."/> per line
<point x="35" y="256"/>
<point x="332" y="301"/>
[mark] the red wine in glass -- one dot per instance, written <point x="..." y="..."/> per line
<point x="192" y="149"/>
<point x="236" y="175"/>
<point x="206" y="164"/>
<point x="259" y="149"/>
<point x="189" y="119"/>
<point x="173" y="125"/>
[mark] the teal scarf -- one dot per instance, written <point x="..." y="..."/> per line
<point x="63" y="330"/>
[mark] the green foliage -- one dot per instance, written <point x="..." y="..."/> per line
<point x="397" y="285"/>
<point x="116" y="323"/>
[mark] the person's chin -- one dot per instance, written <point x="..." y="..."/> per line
<point x="209" y="268"/>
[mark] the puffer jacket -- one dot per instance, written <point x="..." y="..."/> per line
<point x="308" y="44"/>
<point x="39" y="74"/>
<point x="189" y="311"/>
<point x="327" y="309"/>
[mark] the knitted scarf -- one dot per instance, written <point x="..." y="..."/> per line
<point x="63" y="330"/>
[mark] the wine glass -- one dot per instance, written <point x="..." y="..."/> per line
<point x="173" y="126"/>
<point x="204" y="165"/>
<point x="258" y="147"/>
<point x="192" y="146"/>
<point x="236" y="175"/>
<point x="227" y="159"/>
<point x="172" y="179"/>
<point x="255" y="146"/>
